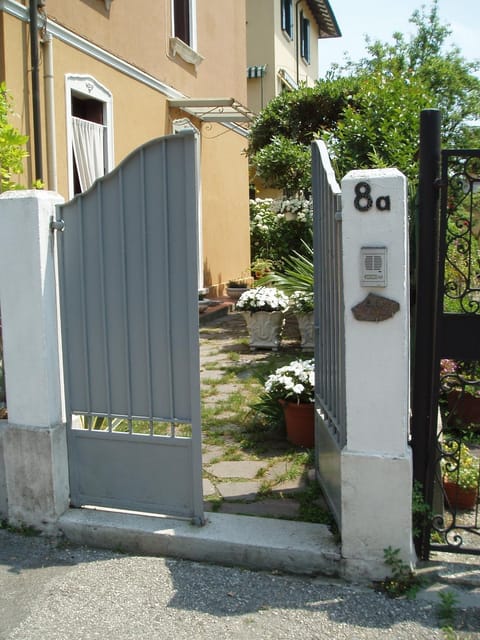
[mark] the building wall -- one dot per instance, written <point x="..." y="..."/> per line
<point x="139" y="32"/>
<point x="260" y="51"/>
<point x="223" y="193"/>
<point x="268" y="44"/>
<point x="286" y="50"/>
<point x="140" y="111"/>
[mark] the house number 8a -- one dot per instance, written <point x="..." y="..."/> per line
<point x="363" y="199"/>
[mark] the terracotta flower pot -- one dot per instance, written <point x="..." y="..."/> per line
<point x="464" y="407"/>
<point x="460" y="498"/>
<point x="300" y="423"/>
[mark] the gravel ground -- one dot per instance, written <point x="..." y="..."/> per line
<point x="55" y="592"/>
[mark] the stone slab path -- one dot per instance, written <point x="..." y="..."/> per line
<point x="238" y="485"/>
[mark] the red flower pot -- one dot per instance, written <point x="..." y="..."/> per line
<point x="464" y="407"/>
<point x="300" y="422"/>
<point x="460" y="498"/>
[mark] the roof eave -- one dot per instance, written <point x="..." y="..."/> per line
<point x="325" y="19"/>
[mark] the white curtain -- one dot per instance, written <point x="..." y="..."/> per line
<point x="88" y="150"/>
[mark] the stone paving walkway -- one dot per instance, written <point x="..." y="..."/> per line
<point x="237" y="486"/>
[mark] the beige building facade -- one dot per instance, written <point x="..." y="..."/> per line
<point x="282" y="51"/>
<point x="127" y="73"/>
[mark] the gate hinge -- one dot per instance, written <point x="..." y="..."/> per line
<point x="439" y="183"/>
<point x="57" y="225"/>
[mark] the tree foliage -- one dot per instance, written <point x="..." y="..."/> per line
<point x="12" y="144"/>
<point x="368" y="111"/>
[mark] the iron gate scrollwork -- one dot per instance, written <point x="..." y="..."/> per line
<point x="455" y="523"/>
<point x="446" y="374"/>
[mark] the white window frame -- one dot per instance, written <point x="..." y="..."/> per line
<point x="187" y="51"/>
<point x="184" y="124"/>
<point x="88" y="86"/>
<point x="305" y="38"/>
<point x="287" y="29"/>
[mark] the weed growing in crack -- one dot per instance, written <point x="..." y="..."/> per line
<point x="446" y="612"/>
<point x="402" y="580"/>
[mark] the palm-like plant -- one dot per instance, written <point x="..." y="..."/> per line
<point x="298" y="273"/>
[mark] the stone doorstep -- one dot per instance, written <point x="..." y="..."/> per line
<point x="245" y="541"/>
<point x="221" y="308"/>
<point x="269" y="508"/>
<point x="463" y="572"/>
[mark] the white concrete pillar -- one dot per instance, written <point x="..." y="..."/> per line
<point x="376" y="462"/>
<point x="33" y="441"/>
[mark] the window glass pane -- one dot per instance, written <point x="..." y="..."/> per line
<point x="181" y="19"/>
<point x="305" y="37"/>
<point x="287" y="17"/>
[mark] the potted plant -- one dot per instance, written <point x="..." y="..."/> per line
<point x="293" y="385"/>
<point x="261" y="267"/>
<point x="295" y="208"/>
<point x="263" y="309"/>
<point x="301" y="304"/>
<point x="460" y="472"/>
<point x="203" y="304"/>
<point x="235" y="288"/>
<point x="461" y="383"/>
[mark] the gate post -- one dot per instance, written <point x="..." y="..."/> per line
<point x="34" y="456"/>
<point x="426" y="373"/>
<point x="376" y="462"/>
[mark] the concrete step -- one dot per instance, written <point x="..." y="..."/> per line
<point x="244" y="541"/>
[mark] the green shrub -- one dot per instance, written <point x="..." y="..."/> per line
<point x="275" y="238"/>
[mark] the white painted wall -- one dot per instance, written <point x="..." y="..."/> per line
<point x="35" y="472"/>
<point x="376" y="462"/>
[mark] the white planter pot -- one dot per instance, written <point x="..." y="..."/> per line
<point x="305" y="326"/>
<point x="265" y="328"/>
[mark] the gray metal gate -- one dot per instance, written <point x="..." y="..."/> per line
<point x="330" y="391"/>
<point x="129" y="316"/>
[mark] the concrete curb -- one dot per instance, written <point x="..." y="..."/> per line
<point x="245" y="541"/>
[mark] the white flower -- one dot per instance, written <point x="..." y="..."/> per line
<point x="301" y="301"/>
<point x="262" y="299"/>
<point x="294" y="381"/>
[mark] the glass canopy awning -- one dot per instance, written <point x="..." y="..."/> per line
<point x="222" y="110"/>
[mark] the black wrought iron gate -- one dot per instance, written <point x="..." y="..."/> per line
<point x="446" y="361"/>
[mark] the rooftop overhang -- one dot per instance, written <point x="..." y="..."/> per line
<point x="221" y="110"/>
<point x="325" y="19"/>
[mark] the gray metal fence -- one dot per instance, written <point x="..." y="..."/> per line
<point x="129" y="314"/>
<point x="329" y="322"/>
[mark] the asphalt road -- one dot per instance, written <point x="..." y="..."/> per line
<point x="50" y="591"/>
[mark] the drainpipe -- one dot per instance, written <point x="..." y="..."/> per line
<point x="297" y="41"/>
<point x="37" y="134"/>
<point x="47" y="45"/>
